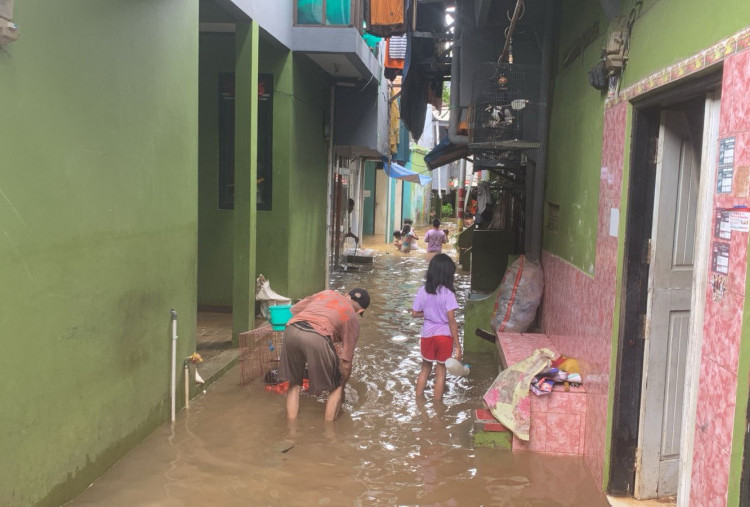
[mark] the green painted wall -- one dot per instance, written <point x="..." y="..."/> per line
<point x="98" y="206"/>
<point x="308" y="181"/>
<point x="215" y="226"/>
<point x="368" y="207"/>
<point x="738" y="453"/>
<point x="666" y="32"/>
<point x="406" y="200"/>
<point x="418" y="165"/>
<point x="292" y="236"/>
<point x="244" y="258"/>
<point x="393" y="223"/>
<point x="575" y="142"/>
<point x="671" y="30"/>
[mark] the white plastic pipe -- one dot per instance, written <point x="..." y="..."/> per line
<point x="187" y="385"/>
<point x="173" y="314"/>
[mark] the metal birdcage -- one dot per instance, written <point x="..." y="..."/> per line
<point x="505" y="109"/>
<point x="260" y="350"/>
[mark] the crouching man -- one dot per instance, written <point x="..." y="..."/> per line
<point x="322" y="334"/>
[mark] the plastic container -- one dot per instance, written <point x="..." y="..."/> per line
<point x="279" y="316"/>
<point x="455" y="367"/>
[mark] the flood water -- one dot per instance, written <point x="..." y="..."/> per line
<point x="233" y="446"/>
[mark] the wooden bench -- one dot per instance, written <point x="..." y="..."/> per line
<point x="558" y="419"/>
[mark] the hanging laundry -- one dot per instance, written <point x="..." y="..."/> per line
<point x="397" y="47"/>
<point x="395" y="57"/>
<point x="393" y="123"/>
<point x="387" y="17"/>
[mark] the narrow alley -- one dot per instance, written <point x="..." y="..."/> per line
<point x="233" y="447"/>
<point x="161" y="186"/>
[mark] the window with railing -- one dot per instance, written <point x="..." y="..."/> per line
<point x="327" y="12"/>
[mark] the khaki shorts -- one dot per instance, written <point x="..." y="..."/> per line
<point x="303" y="347"/>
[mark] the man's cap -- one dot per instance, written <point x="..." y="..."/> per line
<point x="361" y="297"/>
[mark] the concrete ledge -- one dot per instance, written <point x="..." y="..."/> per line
<point x="218" y="365"/>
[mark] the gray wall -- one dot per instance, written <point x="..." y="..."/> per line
<point x="274" y="16"/>
<point x="356" y="119"/>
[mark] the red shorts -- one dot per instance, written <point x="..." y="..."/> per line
<point x="436" y="348"/>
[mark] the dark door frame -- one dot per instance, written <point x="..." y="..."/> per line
<point x="634" y="297"/>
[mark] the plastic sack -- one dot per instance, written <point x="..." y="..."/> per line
<point x="264" y="295"/>
<point x="520" y="294"/>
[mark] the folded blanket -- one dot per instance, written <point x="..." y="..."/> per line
<point x="508" y="396"/>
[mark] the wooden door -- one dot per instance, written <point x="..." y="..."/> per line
<point x="669" y="301"/>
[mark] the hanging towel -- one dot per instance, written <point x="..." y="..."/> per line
<point x="387" y="17"/>
<point x="508" y="396"/>
<point x="388" y="61"/>
<point x="397" y="47"/>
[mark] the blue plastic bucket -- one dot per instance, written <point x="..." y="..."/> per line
<point x="280" y="315"/>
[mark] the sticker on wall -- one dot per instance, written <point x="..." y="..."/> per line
<point x="726" y="166"/>
<point x="722" y="229"/>
<point x="720" y="258"/>
<point x="739" y="221"/>
<point x="718" y="287"/>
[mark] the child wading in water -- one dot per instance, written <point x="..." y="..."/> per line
<point x="408" y="239"/>
<point x="436" y="302"/>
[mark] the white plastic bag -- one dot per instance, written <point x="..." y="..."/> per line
<point x="520" y="294"/>
<point x="265" y="295"/>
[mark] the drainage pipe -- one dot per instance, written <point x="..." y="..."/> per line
<point x="173" y="315"/>
<point x="455" y="104"/>
<point x="534" y="251"/>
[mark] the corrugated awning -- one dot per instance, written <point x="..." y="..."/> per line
<point x="402" y="173"/>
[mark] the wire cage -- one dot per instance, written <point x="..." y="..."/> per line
<point x="260" y="350"/>
<point x="505" y="108"/>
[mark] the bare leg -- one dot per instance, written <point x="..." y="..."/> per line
<point x="439" y="382"/>
<point x="333" y="403"/>
<point x="292" y="402"/>
<point x="424" y="374"/>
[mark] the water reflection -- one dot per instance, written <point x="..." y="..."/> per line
<point x="233" y="447"/>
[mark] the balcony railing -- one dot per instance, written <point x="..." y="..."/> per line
<point x="328" y="13"/>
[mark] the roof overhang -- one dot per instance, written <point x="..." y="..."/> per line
<point x="340" y="51"/>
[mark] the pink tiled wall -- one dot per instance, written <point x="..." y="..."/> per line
<point x="717" y="389"/>
<point x="558" y="420"/>
<point x="558" y="423"/>
<point x="583" y="330"/>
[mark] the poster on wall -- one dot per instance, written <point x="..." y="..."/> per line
<point x="720" y="258"/>
<point x="726" y="166"/>
<point x="722" y="228"/>
<point x="718" y="287"/>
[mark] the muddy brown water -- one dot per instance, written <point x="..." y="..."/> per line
<point x="233" y="446"/>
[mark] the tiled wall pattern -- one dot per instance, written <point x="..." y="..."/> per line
<point x="584" y="329"/>
<point x="717" y="389"/>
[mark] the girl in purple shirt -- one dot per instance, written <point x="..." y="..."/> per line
<point x="436" y="302"/>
